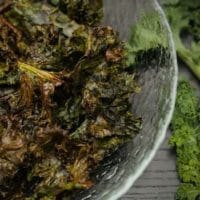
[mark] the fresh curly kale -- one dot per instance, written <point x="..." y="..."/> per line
<point x="186" y="140"/>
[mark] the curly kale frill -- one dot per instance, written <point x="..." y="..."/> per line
<point x="186" y="140"/>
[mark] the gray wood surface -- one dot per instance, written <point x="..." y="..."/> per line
<point x="160" y="180"/>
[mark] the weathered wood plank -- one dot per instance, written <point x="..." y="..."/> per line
<point x="160" y="180"/>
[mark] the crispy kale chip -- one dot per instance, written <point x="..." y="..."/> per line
<point x="64" y="96"/>
<point x="184" y="18"/>
<point x="87" y="12"/>
<point x="186" y="140"/>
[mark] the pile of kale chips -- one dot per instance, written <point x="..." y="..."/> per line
<point x="64" y="96"/>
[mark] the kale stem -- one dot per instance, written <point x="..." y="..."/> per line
<point x="47" y="76"/>
<point x="11" y="26"/>
<point x="190" y="64"/>
<point x="5" y="7"/>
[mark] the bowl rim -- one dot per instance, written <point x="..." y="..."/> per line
<point x="128" y="183"/>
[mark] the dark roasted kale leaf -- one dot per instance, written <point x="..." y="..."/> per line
<point x="64" y="96"/>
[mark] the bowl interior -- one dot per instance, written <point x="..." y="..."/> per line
<point x="157" y="75"/>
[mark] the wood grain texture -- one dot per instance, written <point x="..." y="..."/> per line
<point x="160" y="180"/>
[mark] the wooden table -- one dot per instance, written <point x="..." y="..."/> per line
<point x="160" y="180"/>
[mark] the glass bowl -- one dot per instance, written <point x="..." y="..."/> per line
<point x="158" y="79"/>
